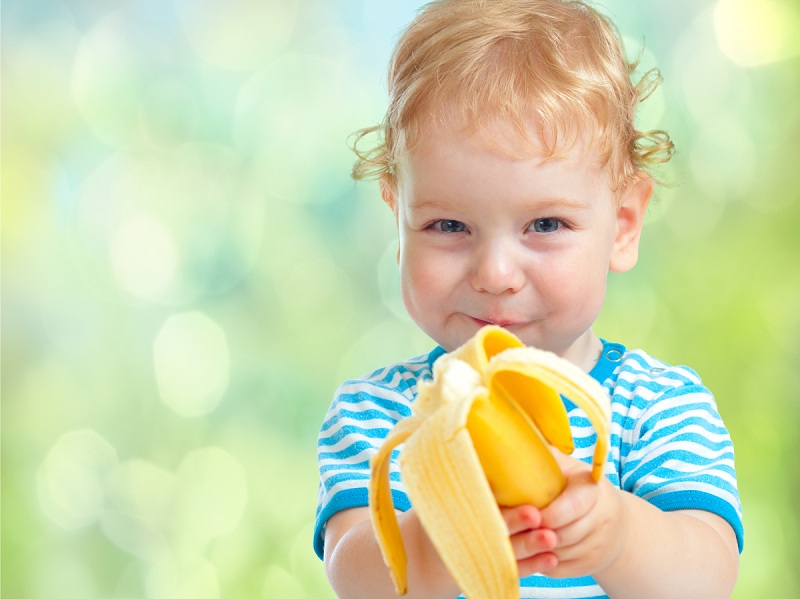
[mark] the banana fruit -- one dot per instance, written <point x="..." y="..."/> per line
<point x="479" y="437"/>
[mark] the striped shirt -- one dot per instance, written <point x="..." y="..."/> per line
<point x="668" y="445"/>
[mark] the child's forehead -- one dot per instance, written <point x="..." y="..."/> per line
<point x="516" y="138"/>
<point x="449" y="154"/>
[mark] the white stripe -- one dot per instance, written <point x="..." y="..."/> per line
<point x="362" y="456"/>
<point x="672" y="441"/>
<point x="713" y="456"/>
<point x="358" y="484"/>
<point x="366" y="404"/>
<point x="657" y="408"/>
<point x="636" y="378"/>
<point x="364" y="425"/>
<point x="346" y="442"/>
<point x="672" y="437"/>
<point x="696" y="414"/>
<point x="694" y="486"/>
<point x="561" y="593"/>
<point x="689" y="470"/>
<point x="372" y="389"/>
<point x="344" y="486"/>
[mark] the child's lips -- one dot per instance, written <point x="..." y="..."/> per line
<point x="500" y="322"/>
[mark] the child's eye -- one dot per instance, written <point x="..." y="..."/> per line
<point x="546" y="225"/>
<point x="449" y="226"/>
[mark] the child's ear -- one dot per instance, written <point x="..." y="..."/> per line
<point x="630" y="218"/>
<point x="389" y="192"/>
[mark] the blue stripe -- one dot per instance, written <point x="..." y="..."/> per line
<point x="349" y="429"/>
<point x="657" y="387"/>
<point x="394" y="378"/>
<point x="707" y="420"/>
<point x="384" y="404"/>
<point x="350" y="466"/>
<point x="545" y="582"/>
<point x="343" y="454"/>
<point x="675" y="436"/>
<point x="579" y="421"/>
<point x="357" y="472"/>
<point x="584" y="442"/>
<point x="722" y="464"/>
<point x="343" y="477"/>
<point x="354" y="415"/>
<point x="640" y="468"/>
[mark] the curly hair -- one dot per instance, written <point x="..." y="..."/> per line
<point x="556" y="63"/>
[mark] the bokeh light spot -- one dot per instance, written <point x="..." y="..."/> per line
<point x="108" y="79"/>
<point x="752" y="34"/>
<point x="71" y="480"/>
<point x="710" y="82"/>
<point x="198" y="196"/>
<point x="191" y="363"/>
<point x="140" y="509"/>
<point x="293" y="118"/>
<point x="237" y="34"/>
<point x="168" y="112"/>
<point x="213" y="494"/>
<point x="144" y="256"/>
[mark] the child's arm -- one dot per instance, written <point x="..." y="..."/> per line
<point x="355" y="567"/>
<point x="632" y="548"/>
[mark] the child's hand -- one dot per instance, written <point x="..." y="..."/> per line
<point x="533" y="545"/>
<point x="588" y="521"/>
<point x="581" y="532"/>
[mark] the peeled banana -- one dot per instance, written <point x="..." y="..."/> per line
<point x="479" y="438"/>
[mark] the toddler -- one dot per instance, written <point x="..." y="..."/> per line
<point x="518" y="180"/>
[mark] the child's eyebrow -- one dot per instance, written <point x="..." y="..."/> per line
<point x="562" y="203"/>
<point x="418" y="205"/>
<point x="537" y="204"/>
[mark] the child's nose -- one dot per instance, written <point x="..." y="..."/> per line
<point x="496" y="269"/>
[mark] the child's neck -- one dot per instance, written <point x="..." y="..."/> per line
<point x="585" y="351"/>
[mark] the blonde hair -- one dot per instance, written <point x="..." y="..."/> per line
<point x="557" y="63"/>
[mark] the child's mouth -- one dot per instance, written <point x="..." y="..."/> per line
<point x="493" y="321"/>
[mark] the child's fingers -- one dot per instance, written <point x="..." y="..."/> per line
<point x="533" y="542"/>
<point x="521" y="518"/>
<point x="541" y="563"/>
<point x="576" y="501"/>
<point x="530" y="543"/>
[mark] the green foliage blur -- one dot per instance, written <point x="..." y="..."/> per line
<point x="188" y="272"/>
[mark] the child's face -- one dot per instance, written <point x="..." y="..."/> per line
<point x="522" y="243"/>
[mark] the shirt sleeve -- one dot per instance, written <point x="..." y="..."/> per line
<point x="361" y="415"/>
<point x="680" y="453"/>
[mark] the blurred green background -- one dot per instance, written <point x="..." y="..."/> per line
<point x="188" y="272"/>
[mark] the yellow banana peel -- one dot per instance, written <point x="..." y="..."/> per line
<point x="480" y="438"/>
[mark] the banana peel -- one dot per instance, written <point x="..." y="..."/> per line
<point x="480" y="438"/>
